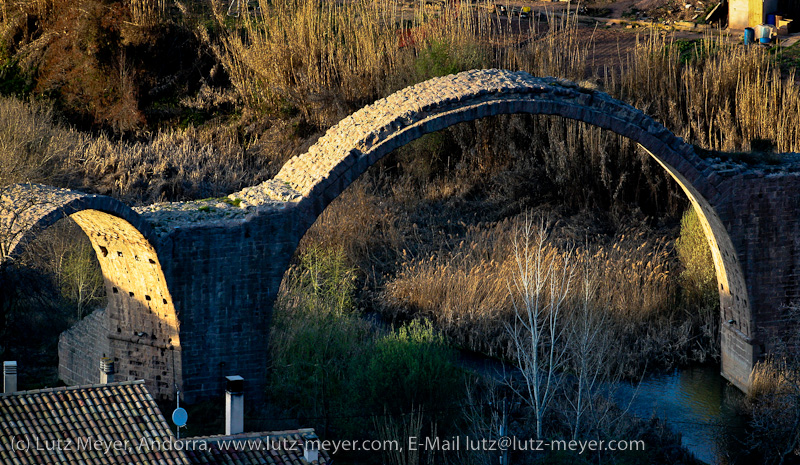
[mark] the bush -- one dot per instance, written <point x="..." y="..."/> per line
<point x="330" y="365"/>
<point x="31" y="145"/>
<point x="698" y="282"/>
<point x="315" y="336"/>
<point x="411" y="367"/>
<point x="698" y="278"/>
<point x="773" y="404"/>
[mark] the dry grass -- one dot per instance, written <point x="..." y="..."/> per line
<point x="171" y="165"/>
<point x="773" y="404"/>
<point x="723" y="97"/>
<point x="771" y="377"/>
<point x="31" y="146"/>
<point x="329" y="59"/>
<point x="464" y="286"/>
<point x="147" y="12"/>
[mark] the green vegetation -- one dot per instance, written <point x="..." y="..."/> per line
<point x="698" y="278"/>
<point x="335" y="370"/>
<point x="698" y="282"/>
<point x="232" y="202"/>
<point x="331" y="366"/>
<point x="788" y="58"/>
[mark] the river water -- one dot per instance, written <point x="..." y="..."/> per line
<point x="695" y="401"/>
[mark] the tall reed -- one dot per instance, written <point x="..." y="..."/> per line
<point x="147" y="12"/>
<point x="329" y="58"/>
<point x="464" y="287"/>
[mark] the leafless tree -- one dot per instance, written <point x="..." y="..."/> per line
<point x="586" y="330"/>
<point x="540" y="288"/>
<point x="483" y="419"/>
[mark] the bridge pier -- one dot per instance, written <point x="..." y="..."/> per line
<point x="760" y="208"/>
<point x="738" y="356"/>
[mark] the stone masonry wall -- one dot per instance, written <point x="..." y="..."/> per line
<point x="763" y="220"/>
<point x="224" y="285"/>
<point x="80" y="349"/>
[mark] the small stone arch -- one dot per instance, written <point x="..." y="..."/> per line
<point x="139" y="327"/>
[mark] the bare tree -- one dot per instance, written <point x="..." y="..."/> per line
<point x="539" y="290"/>
<point x="588" y="361"/>
<point x="80" y="276"/>
<point x="392" y="428"/>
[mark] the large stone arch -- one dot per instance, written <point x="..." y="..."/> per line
<point x="140" y="328"/>
<point x="364" y="137"/>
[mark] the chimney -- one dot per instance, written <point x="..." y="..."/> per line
<point x="9" y="377"/>
<point x="106" y="370"/>
<point x="311" y="448"/>
<point x="234" y="405"/>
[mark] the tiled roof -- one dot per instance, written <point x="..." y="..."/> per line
<point x="277" y="448"/>
<point x="120" y="423"/>
<point x="74" y="425"/>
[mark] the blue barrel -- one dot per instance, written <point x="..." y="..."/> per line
<point x="749" y="35"/>
<point x="763" y="33"/>
<point x="771" y="20"/>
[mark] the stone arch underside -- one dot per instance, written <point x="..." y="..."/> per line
<point x="139" y="327"/>
<point x="360" y="140"/>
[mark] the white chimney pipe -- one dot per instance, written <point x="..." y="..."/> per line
<point x="311" y="449"/>
<point x="106" y="370"/>
<point x="9" y="377"/>
<point x="234" y="405"/>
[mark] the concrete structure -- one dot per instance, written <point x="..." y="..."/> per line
<point x="191" y="284"/>
<point x="749" y="13"/>
<point x="9" y="377"/>
<point x="234" y="404"/>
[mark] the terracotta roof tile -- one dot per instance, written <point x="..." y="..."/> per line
<point x="273" y="448"/>
<point x="49" y="424"/>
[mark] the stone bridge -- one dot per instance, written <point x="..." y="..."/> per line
<point x="191" y="284"/>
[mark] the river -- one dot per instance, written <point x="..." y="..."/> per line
<point x="694" y="401"/>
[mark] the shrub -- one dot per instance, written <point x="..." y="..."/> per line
<point x="330" y="364"/>
<point x="439" y="58"/>
<point x="31" y="145"/>
<point x="698" y="278"/>
<point x="773" y="404"/>
<point x="411" y="367"/>
<point x="105" y="64"/>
